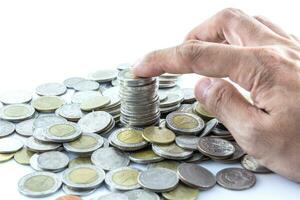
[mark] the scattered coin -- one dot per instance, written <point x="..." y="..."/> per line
<point x="236" y="156"/>
<point x="188" y="95"/>
<point x="25" y="128"/>
<point x="172" y="99"/>
<point x="202" y="112"/>
<point x="168" y="164"/>
<point x="51" y="89"/>
<point x="63" y="132"/>
<point x="158" y="135"/>
<point x="6" y="128"/>
<point x="53" y="161"/>
<point x="34" y="163"/>
<point x="188" y="142"/>
<point x="69" y="197"/>
<point x="95" y="103"/>
<point x="71" y="112"/>
<point x="80" y="161"/>
<point x="79" y="97"/>
<point x="70" y="82"/>
<point x="10" y="145"/>
<point x="47" y="103"/>
<point x="141" y="195"/>
<point x="171" y="151"/>
<point x="6" y="157"/>
<point x="23" y="156"/>
<point x="38" y="146"/>
<point x="16" y="112"/>
<point x="144" y="156"/>
<point x="15" y="97"/>
<point x="86" y="85"/>
<point x="251" y="164"/>
<point x="95" y="122"/>
<point x="45" y="120"/>
<point x="210" y="125"/>
<point x="181" y="192"/>
<point x="103" y="75"/>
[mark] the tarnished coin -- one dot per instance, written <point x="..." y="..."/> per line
<point x="80" y="161"/>
<point x="140" y="194"/>
<point x="196" y="176"/>
<point x="70" y="82"/>
<point x="144" y="156"/>
<point x="77" y="192"/>
<point x="236" y="179"/>
<point x="188" y="142"/>
<point x="23" y="156"/>
<point x="71" y="112"/>
<point x="158" y="179"/>
<point x="63" y="132"/>
<point x="236" y="156"/>
<point x="124" y="178"/>
<point x="210" y="125"/>
<point x="158" y="135"/>
<point x="45" y="120"/>
<point x="215" y="147"/>
<point x="25" y="128"/>
<point x="171" y="151"/>
<point x="47" y="103"/>
<point x="10" y="145"/>
<point x="181" y="192"/>
<point x="197" y="157"/>
<point x="184" y="123"/>
<point x="15" y="97"/>
<point x="6" y="128"/>
<point x="38" y="146"/>
<point x="113" y="196"/>
<point x="51" y="89"/>
<point x="251" y="164"/>
<point x="85" y="144"/>
<point x="168" y="164"/>
<point x="83" y="177"/>
<point x="202" y="112"/>
<point x="68" y="197"/>
<point x="53" y="161"/>
<point x="109" y="158"/>
<point x="95" y="122"/>
<point x="102" y="76"/>
<point x="16" y="112"/>
<point x="6" y="157"/>
<point x="39" y="184"/>
<point x="95" y="103"/>
<point x="86" y="85"/>
<point x="79" y="97"/>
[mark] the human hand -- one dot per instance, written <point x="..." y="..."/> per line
<point x="261" y="58"/>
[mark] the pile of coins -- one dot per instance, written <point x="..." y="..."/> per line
<point x="167" y="80"/>
<point x="73" y="137"/>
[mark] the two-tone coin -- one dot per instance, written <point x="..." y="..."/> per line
<point x="16" y="112"/>
<point x="47" y="103"/>
<point x="94" y="103"/>
<point x="80" y="161"/>
<point x="171" y="151"/>
<point x="63" y="132"/>
<point x="158" y="135"/>
<point x="144" y="156"/>
<point x="181" y="192"/>
<point x="80" y="192"/>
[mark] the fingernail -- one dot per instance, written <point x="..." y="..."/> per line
<point x="202" y="88"/>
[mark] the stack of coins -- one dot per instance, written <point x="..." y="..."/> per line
<point x="139" y="100"/>
<point x="167" y="80"/>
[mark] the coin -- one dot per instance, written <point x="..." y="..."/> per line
<point x="34" y="163"/>
<point x="95" y="122"/>
<point x="172" y="99"/>
<point x="6" y="128"/>
<point x="209" y="126"/>
<point x="38" y="146"/>
<point x="15" y="97"/>
<point x="10" y="145"/>
<point x="236" y="179"/>
<point x="123" y="66"/>
<point x="71" y="112"/>
<point x="45" y="120"/>
<point x="86" y="85"/>
<point x="85" y="144"/>
<point x="171" y="151"/>
<point x="113" y="94"/>
<point x="124" y="178"/>
<point x="23" y="156"/>
<point x="16" y="112"/>
<point x="251" y="164"/>
<point x="197" y="157"/>
<point x="109" y="158"/>
<point x="79" y="97"/>
<point x="141" y="195"/>
<point x="181" y="192"/>
<point x="196" y="176"/>
<point x="63" y="132"/>
<point x="215" y="147"/>
<point x="103" y="75"/>
<point x="68" y="197"/>
<point x="39" y="184"/>
<point x="188" y="95"/>
<point x="158" y="179"/>
<point x="144" y="156"/>
<point x="184" y="123"/>
<point x="83" y="177"/>
<point x="51" y="89"/>
<point x="80" y="161"/>
<point x="237" y="155"/>
<point x="201" y="111"/>
<point x="158" y="135"/>
<point x="6" y="157"/>
<point x="25" y="128"/>
<point x="70" y="82"/>
<point x="77" y="192"/>
<point x="53" y="161"/>
<point x="94" y="103"/>
<point x="114" y="196"/>
<point x="168" y="164"/>
<point x="188" y="142"/>
<point x="47" y="103"/>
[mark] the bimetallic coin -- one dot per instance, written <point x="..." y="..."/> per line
<point x="25" y="128"/>
<point x="51" y="89"/>
<point x="113" y="196"/>
<point x="144" y="157"/>
<point x="109" y="158"/>
<point x="79" y="97"/>
<point x="53" y="161"/>
<point x="124" y="178"/>
<point x="210" y="125"/>
<point x="71" y="112"/>
<point x="202" y="112"/>
<point x="158" y="179"/>
<point x="158" y="135"/>
<point x="39" y="184"/>
<point x="38" y="146"/>
<point x="83" y="177"/>
<point x="141" y="195"/>
<point x="6" y="128"/>
<point x="188" y="142"/>
<point x="80" y="161"/>
<point x="71" y="191"/>
<point x="70" y="82"/>
<point x="181" y="192"/>
<point x="95" y="122"/>
<point x="196" y="176"/>
<point x="63" y="132"/>
<point x="6" y="157"/>
<point x="215" y="147"/>
<point x="168" y="164"/>
<point x="16" y="112"/>
<point x="236" y="179"/>
<point x="102" y="76"/>
<point x="94" y="103"/>
<point x="15" y="97"/>
<point x="23" y="156"/>
<point x="10" y="145"/>
<point x="86" y="85"/>
<point x="251" y="164"/>
<point x="47" y="103"/>
<point x="171" y="151"/>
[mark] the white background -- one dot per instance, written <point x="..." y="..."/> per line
<point x="42" y="41"/>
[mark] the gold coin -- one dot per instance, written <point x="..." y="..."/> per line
<point x="84" y="142"/>
<point x="144" y="154"/>
<point x="130" y="136"/>
<point x="181" y="192"/>
<point x="158" y="135"/>
<point x="23" y="156"/>
<point x="39" y="183"/>
<point x="47" y="103"/>
<point x="16" y="111"/>
<point x="6" y="157"/>
<point x="201" y="110"/>
<point x="83" y="175"/>
<point x="80" y="161"/>
<point x="168" y="164"/>
<point x="185" y="122"/>
<point x="94" y="103"/>
<point x="126" y="177"/>
<point x="62" y="130"/>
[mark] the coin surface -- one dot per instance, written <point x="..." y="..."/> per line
<point x="158" y="179"/>
<point x="6" y="157"/>
<point x="53" y="160"/>
<point x="196" y="176"/>
<point x="51" y="89"/>
<point x="201" y="110"/>
<point x="38" y="146"/>
<point x="109" y="158"/>
<point x="158" y="135"/>
<point x="171" y="151"/>
<point x="78" y="192"/>
<point x="25" y="128"/>
<point x="63" y="132"/>
<point x="16" y="112"/>
<point x="71" y="112"/>
<point x="23" y="156"/>
<point x="235" y="179"/>
<point x="144" y="156"/>
<point x="86" y="85"/>
<point x="103" y="75"/>
<point x="80" y="161"/>
<point x="10" y="145"/>
<point x="124" y="178"/>
<point x="209" y="126"/>
<point x="45" y="120"/>
<point x="39" y="184"/>
<point x="172" y="99"/>
<point x="236" y="156"/>
<point x="15" y="97"/>
<point x="95" y="122"/>
<point x="140" y="194"/>
<point x="94" y="103"/>
<point x="6" y="128"/>
<point x="251" y="164"/>
<point x="188" y="95"/>
<point x="188" y="142"/>
<point x="181" y="192"/>
<point x="70" y="82"/>
<point x="168" y="164"/>
<point x="81" y="96"/>
<point x="47" y="103"/>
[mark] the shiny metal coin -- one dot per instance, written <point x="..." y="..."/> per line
<point x="167" y="164"/>
<point x="141" y="195"/>
<point x="25" y="128"/>
<point x="113" y="196"/>
<point x="16" y="112"/>
<point x="47" y="103"/>
<point x="94" y="103"/>
<point x="172" y="99"/>
<point x="188" y="142"/>
<point x="34" y="163"/>
<point x="197" y="157"/>
<point x="10" y="145"/>
<point x="45" y="120"/>
<point x="39" y="134"/>
<point x="188" y="95"/>
<point x="6" y="157"/>
<point x="102" y="76"/>
<point x="196" y="176"/>
<point x="250" y="163"/>
<point x="158" y="135"/>
<point x="70" y="82"/>
<point x="236" y="179"/>
<point x="51" y="89"/>
<point x="181" y="192"/>
<point x="63" y="132"/>
<point x="95" y="122"/>
<point x="71" y="112"/>
<point x="53" y="161"/>
<point x="86" y="85"/>
<point x="23" y="156"/>
<point x="6" y="128"/>
<point x="127" y="76"/>
<point x="113" y="94"/>
<point x="38" y="146"/>
<point x="79" y="97"/>
<point x="144" y="156"/>
<point x="171" y="151"/>
<point x="80" y="161"/>
<point x="15" y="97"/>
<point x="209" y="126"/>
<point x="237" y="155"/>
<point x="71" y="191"/>
<point x="166" y="110"/>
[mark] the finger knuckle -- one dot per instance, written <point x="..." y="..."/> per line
<point x="189" y="52"/>
<point x="269" y="56"/>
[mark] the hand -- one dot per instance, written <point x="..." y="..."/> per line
<point x="261" y="58"/>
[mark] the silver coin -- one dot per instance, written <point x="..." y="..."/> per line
<point x="196" y="176"/>
<point x="188" y="95"/>
<point x="196" y="158"/>
<point x="144" y="157"/>
<point x="81" y="96"/>
<point x="51" y="89"/>
<point x="127" y="76"/>
<point x="141" y="195"/>
<point x="165" y="110"/>
<point x="113" y="196"/>
<point x="71" y="112"/>
<point x="251" y="164"/>
<point x="10" y="145"/>
<point x="109" y="158"/>
<point x="63" y="132"/>
<point x="40" y="134"/>
<point x="71" y="191"/>
<point x="25" y="128"/>
<point x="103" y="75"/>
<point x="70" y="82"/>
<point x="236" y="179"/>
<point x="172" y="99"/>
<point x="15" y="97"/>
<point x="34" y="163"/>
<point x="38" y="146"/>
<point x="16" y="112"/>
<point x="45" y="120"/>
<point x="53" y="161"/>
<point x="209" y="126"/>
<point x="39" y="184"/>
<point x="95" y="122"/>
<point x="158" y="179"/>
<point x="123" y="66"/>
<point x="113" y="94"/>
<point x="6" y="128"/>
<point x="171" y="151"/>
<point x="237" y="155"/>
<point x="188" y="142"/>
<point x="86" y="85"/>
